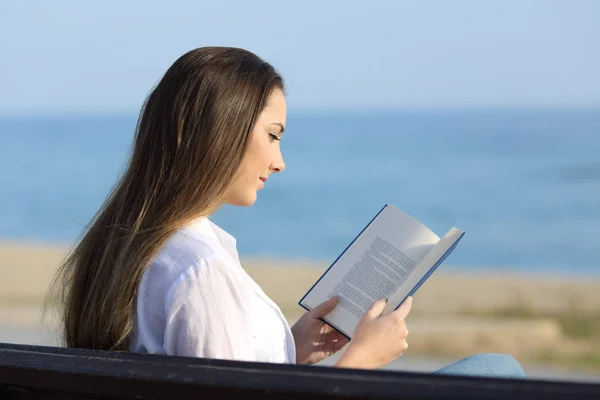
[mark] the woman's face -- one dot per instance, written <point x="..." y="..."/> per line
<point x="263" y="156"/>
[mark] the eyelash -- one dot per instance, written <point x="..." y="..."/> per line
<point x="273" y="137"/>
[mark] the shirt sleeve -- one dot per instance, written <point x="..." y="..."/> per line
<point x="207" y="313"/>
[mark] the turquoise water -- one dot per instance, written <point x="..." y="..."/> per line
<point x="525" y="185"/>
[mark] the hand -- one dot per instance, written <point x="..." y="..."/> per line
<point x="378" y="339"/>
<point x="315" y="340"/>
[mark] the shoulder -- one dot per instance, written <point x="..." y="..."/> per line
<point x="192" y="257"/>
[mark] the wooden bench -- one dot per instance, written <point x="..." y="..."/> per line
<point x="38" y="372"/>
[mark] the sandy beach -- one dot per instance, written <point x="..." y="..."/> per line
<point x="549" y="323"/>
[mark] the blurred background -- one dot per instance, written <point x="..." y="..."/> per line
<point x="482" y="115"/>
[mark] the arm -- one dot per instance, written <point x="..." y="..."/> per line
<point x="206" y="314"/>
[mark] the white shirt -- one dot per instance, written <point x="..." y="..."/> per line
<point x="195" y="299"/>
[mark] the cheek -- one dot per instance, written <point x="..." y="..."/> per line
<point x="260" y="155"/>
<point x="263" y="156"/>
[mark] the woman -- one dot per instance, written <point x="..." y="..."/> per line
<point x="154" y="274"/>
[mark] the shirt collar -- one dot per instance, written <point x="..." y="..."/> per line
<point x="206" y="227"/>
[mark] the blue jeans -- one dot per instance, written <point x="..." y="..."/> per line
<point x="488" y="365"/>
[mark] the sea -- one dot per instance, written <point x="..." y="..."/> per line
<point x="524" y="184"/>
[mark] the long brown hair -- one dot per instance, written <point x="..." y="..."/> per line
<point x="191" y="136"/>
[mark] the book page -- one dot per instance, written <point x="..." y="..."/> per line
<point x="426" y="267"/>
<point x="372" y="267"/>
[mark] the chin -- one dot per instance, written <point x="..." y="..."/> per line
<point x="243" y="201"/>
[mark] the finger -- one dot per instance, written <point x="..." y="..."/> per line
<point x="340" y="344"/>
<point x="376" y="309"/>
<point x="324" y="308"/>
<point x="334" y="336"/>
<point x="404" y="309"/>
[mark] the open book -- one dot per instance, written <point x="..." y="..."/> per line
<point x="391" y="258"/>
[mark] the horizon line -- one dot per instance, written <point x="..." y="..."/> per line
<point x="369" y="110"/>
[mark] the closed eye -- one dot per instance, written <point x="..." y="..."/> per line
<point x="274" y="136"/>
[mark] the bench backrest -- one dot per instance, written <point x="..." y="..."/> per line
<point x="39" y="372"/>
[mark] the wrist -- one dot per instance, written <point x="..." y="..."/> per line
<point x="354" y="358"/>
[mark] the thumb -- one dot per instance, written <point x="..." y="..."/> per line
<point x="324" y="308"/>
<point x="376" y="309"/>
<point x="404" y="309"/>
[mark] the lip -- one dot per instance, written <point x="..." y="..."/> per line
<point x="262" y="178"/>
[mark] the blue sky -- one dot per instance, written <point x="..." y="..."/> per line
<point x="83" y="56"/>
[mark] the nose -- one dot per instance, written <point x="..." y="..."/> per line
<point x="278" y="165"/>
